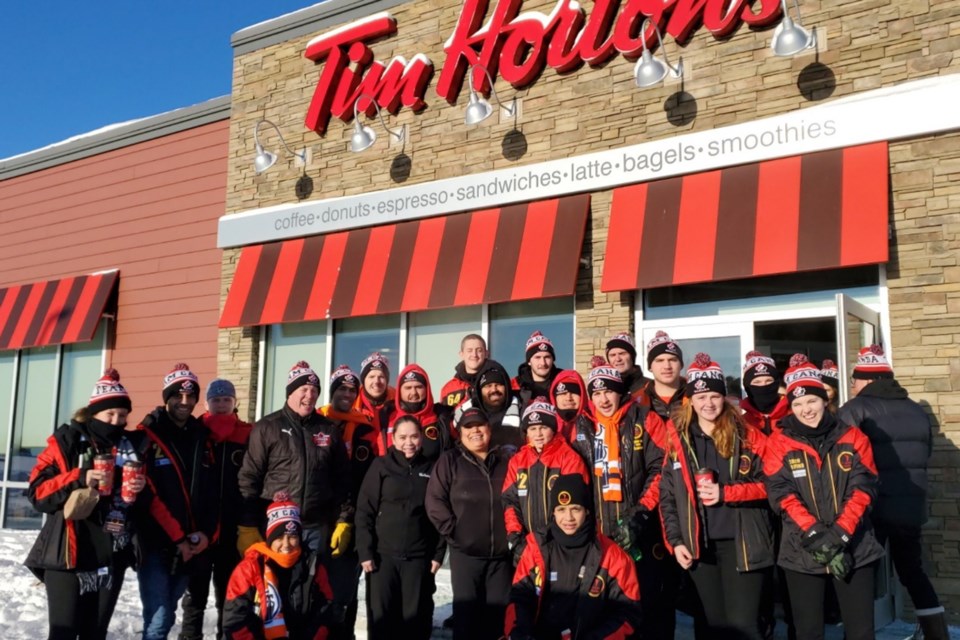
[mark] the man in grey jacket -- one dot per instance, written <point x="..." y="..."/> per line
<point x="900" y="433"/>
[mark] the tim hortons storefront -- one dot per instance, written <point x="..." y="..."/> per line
<point x="784" y="203"/>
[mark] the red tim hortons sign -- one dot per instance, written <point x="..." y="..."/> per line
<point x="516" y="46"/>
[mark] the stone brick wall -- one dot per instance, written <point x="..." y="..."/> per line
<point x="864" y="45"/>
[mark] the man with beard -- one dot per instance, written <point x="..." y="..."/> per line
<point x="622" y="356"/>
<point x="414" y="398"/>
<point x="664" y="393"/>
<point x="538" y="371"/>
<point x="375" y="399"/>
<point x="492" y="394"/>
<point x="185" y="501"/>
<point x="567" y="395"/>
<point x="473" y="355"/>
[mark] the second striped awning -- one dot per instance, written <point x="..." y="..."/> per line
<point x="517" y="252"/>
<point x="817" y="211"/>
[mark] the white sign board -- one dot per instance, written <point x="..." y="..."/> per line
<point x="912" y="109"/>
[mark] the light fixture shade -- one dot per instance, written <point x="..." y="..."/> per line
<point x="264" y="160"/>
<point x="649" y="70"/>
<point x="478" y="110"/>
<point x="790" y="38"/>
<point x="362" y="138"/>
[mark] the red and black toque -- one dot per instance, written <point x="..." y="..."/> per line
<point x="108" y="393"/>
<point x="301" y="374"/>
<point x="180" y="381"/>
<point x="660" y="344"/>
<point x="704" y="375"/>
<point x="803" y="378"/>
<point x="872" y="364"/>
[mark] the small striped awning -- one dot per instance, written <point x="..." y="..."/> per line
<point x="817" y="211"/>
<point x="517" y="252"/>
<point x="53" y="312"/>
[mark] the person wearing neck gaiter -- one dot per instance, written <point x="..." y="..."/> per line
<point x="415" y="398"/>
<point x="822" y="481"/>
<point x="764" y="407"/>
<point x="713" y="504"/>
<point x="622" y="445"/>
<point x="279" y="589"/>
<point x="81" y="561"/>
<point x="568" y="394"/>
<point x="571" y="581"/>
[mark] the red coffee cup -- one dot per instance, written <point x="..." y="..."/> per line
<point x="131" y="471"/>
<point x="704" y="475"/>
<point x="105" y="462"/>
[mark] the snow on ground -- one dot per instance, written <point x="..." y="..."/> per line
<point x="23" y="612"/>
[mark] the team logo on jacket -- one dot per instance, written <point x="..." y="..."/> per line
<point x="273" y="603"/>
<point x="321" y="439"/>
<point x="362" y="453"/>
<point x="431" y="432"/>
<point x="845" y="461"/>
<point x="564" y="498"/>
<point x="638" y="437"/>
<point x="537" y="579"/>
<point x="550" y="481"/>
<point x="659" y="551"/>
<point x="597" y="587"/>
<point x="744" y="464"/>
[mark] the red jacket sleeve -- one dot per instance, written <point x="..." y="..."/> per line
<point x="51" y="480"/>
<point x="510" y="499"/>
<point x="781" y="487"/>
<point x="861" y="485"/>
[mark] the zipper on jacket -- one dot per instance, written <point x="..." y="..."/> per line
<point x="813" y="494"/>
<point x="833" y="487"/>
<point x="743" y="543"/>
<point x="193" y="483"/>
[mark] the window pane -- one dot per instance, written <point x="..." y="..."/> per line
<point x="512" y="323"/>
<point x="7" y="363"/>
<point x="433" y="340"/>
<point x="34" y="419"/>
<point x="356" y="338"/>
<point x="288" y="344"/>
<point x="20" y="513"/>
<point x="79" y="371"/>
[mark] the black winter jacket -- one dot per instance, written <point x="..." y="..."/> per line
<point x="681" y="510"/>
<point x="899" y="431"/>
<point x="463" y="502"/>
<point x="648" y="397"/>
<point x="391" y="517"/>
<point x="642" y="442"/>
<point x="304" y="456"/>
<point x="76" y="545"/>
<point x="832" y="480"/>
<point x="182" y="476"/>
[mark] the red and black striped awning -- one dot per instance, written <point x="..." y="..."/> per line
<point x="54" y="311"/>
<point x="516" y="252"/>
<point x="817" y="211"/>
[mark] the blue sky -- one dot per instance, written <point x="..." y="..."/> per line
<point x="73" y="66"/>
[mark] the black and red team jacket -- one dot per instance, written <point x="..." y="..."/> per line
<point x="765" y="423"/>
<point x="835" y="487"/>
<point x="530" y="475"/>
<point x="183" y="486"/>
<point x="609" y="602"/>
<point x="362" y="440"/>
<point x="642" y="441"/>
<point x="566" y="379"/>
<point x="436" y="420"/>
<point x="680" y="509"/>
<point x="247" y="603"/>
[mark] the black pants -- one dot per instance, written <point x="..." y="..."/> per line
<point x="855" y="596"/>
<point x="344" y="575"/>
<point x="481" y="590"/>
<point x="659" y="577"/>
<point x="218" y="563"/>
<point x="907" y="556"/>
<point x="400" y="599"/>
<point x="72" y="615"/>
<point x="730" y="599"/>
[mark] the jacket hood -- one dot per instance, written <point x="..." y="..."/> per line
<point x="884" y="388"/>
<point x="427" y="406"/>
<point x="462" y="375"/>
<point x="571" y="378"/>
<point x="497" y="371"/>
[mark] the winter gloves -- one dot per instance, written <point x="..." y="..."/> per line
<point x="340" y="540"/>
<point x="827" y="545"/>
<point x="247" y="537"/>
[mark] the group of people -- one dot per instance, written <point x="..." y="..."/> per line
<point x="565" y="508"/>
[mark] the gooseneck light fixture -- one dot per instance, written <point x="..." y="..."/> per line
<point x="363" y="136"/>
<point x="479" y="108"/>
<point x="650" y="70"/>
<point x="265" y="159"/>
<point x="789" y="38"/>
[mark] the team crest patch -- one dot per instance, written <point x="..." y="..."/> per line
<point x="700" y="385"/>
<point x="659" y="551"/>
<point x="431" y="432"/>
<point x="560" y="389"/>
<point x="845" y="461"/>
<point x="187" y="387"/>
<point x="361" y="454"/>
<point x="762" y="370"/>
<point x="638" y="437"/>
<point x="744" y="464"/>
<point x="410" y="377"/>
<point x="551" y="480"/>
<point x="321" y="439"/>
<point x="564" y="498"/>
<point x="597" y="587"/>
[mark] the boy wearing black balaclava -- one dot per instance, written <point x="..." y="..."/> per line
<point x="764" y="407"/>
